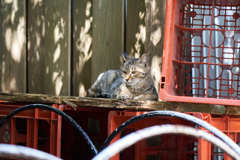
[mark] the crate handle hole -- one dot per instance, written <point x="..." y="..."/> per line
<point x="163" y="79"/>
<point x="162" y="85"/>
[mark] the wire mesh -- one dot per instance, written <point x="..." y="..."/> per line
<point x="208" y="59"/>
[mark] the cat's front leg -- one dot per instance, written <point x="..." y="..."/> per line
<point x="122" y="92"/>
<point x="143" y="97"/>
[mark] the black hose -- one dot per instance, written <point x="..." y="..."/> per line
<point x="141" y="134"/>
<point x="187" y="117"/>
<point x="64" y="115"/>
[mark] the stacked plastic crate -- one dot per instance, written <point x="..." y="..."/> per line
<point x="177" y="147"/>
<point x="36" y="128"/>
<point x="201" y="52"/>
<point x="174" y="147"/>
<point x="201" y="61"/>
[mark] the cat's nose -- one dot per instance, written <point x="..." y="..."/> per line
<point x="128" y="78"/>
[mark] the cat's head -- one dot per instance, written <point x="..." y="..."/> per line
<point x="134" y="69"/>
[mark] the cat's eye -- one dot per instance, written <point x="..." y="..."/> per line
<point x="134" y="72"/>
<point x="124" y="72"/>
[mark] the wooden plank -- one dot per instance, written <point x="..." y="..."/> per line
<point x="12" y="46"/>
<point x="107" y="36"/>
<point x="82" y="46"/>
<point x="48" y="47"/>
<point x="114" y="104"/>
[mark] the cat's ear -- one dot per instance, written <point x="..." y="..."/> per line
<point x="124" y="57"/>
<point x="144" y="59"/>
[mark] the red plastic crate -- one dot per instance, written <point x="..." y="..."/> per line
<point x="39" y="129"/>
<point x="93" y="122"/>
<point x="201" y="55"/>
<point x="171" y="147"/>
<point x="227" y="124"/>
<point x="175" y="147"/>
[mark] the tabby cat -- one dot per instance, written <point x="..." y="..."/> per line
<point x="132" y="81"/>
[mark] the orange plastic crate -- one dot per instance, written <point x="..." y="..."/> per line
<point x="227" y="124"/>
<point x="201" y="55"/>
<point x="171" y="147"/>
<point x="39" y="129"/>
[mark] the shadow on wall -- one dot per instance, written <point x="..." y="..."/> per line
<point x="145" y="32"/>
<point x="48" y="50"/>
<point x="82" y="46"/>
<point x="48" y="47"/>
<point x="12" y="46"/>
<point x="155" y="21"/>
<point x="97" y="42"/>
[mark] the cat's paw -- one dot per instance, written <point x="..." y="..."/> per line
<point x="124" y="97"/>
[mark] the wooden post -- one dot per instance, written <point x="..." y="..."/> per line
<point x="12" y="46"/>
<point x="82" y="46"/>
<point x="107" y="36"/>
<point x="48" y="47"/>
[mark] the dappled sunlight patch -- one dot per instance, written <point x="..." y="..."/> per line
<point x="13" y="84"/>
<point x="43" y="28"/>
<point x="8" y="1"/>
<point x="3" y="84"/>
<point x="47" y="69"/>
<point x="57" y="79"/>
<point x="15" y="40"/>
<point x="154" y="8"/>
<point x="14" y="10"/>
<point x="141" y="15"/>
<point x="140" y="38"/>
<point x="84" y="40"/>
<point x="156" y="70"/>
<point x="9" y="86"/>
<point x="156" y="36"/>
<point x="82" y="90"/>
<point x="57" y="53"/>
<point x="36" y="2"/>
<point x="88" y="9"/>
<point x="59" y="30"/>
<point x="8" y="38"/>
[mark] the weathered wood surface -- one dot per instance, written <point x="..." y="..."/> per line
<point x="82" y="47"/>
<point x="113" y="104"/>
<point x="107" y="35"/>
<point x="59" y="47"/>
<point x="145" y="30"/>
<point x="12" y="46"/>
<point x="48" y="47"/>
